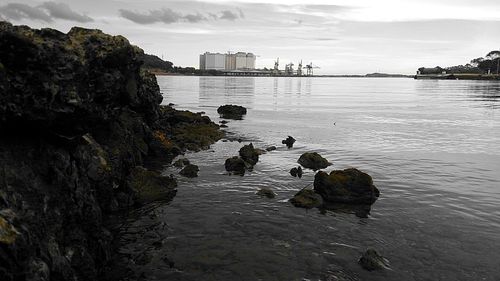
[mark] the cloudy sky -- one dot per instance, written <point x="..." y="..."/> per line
<point x="341" y="36"/>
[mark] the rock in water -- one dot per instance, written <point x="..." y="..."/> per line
<point x="289" y="141"/>
<point x="313" y="160"/>
<point x="151" y="186"/>
<point x="236" y="165"/>
<point x="266" y="192"/>
<point x="346" y="186"/>
<point x="296" y="172"/>
<point x="190" y="171"/>
<point x="371" y="260"/>
<point x="181" y="162"/>
<point x="249" y="154"/>
<point x="271" y="148"/>
<point x="307" y="198"/>
<point x="230" y="111"/>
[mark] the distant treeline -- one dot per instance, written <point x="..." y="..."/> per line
<point x="483" y="65"/>
<point x="157" y="65"/>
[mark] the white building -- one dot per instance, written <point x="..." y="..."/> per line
<point x="237" y="61"/>
<point x="212" y="61"/>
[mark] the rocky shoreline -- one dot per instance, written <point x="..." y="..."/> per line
<point x="83" y="136"/>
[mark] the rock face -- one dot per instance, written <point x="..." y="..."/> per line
<point x="77" y="120"/>
<point x="371" y="260"/>
<point x="249" y="154"/>
<point x="289" y="141"/>
<point x="313" y="160"/>
<point x="230" y="111"/>
<point x="346" y="186"/>
<point x="190" y="171"/>
<point x="307" y="198"/>
<point x="236" y="165"/>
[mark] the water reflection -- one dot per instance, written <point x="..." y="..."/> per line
<point x="223" y="90"/>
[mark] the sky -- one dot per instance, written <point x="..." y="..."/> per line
<point x="339" y="36"/>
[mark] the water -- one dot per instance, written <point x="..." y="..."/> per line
<point x="430" y="146"/>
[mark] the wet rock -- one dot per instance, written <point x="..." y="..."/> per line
<point x="266" y="192"/>
<point x="271" y="148"/>
<point x="289" y="141"/>
<point x="313" y="160"/>
<point x="230" y="111"/>
<point x="346" y="186"/>
<point x="371" y="260"/>
<point x="223" y="122"/>
<point x="249" y="154"/>
<point x="236" y="165"/>
<point x="190" y="171"/>
<point x="151" y="186"/>
<point x="181" y="162"/>
<point x="306" y="198"/>
<point x="296" y="172"/>
<point x="223" y="126"/>
<point x="8" y="232"/>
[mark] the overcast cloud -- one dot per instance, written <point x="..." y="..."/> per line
<point x="46" y="11"/>
<point x="341" y="36"/>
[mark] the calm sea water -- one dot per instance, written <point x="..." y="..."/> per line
<point x="430" y="146"/>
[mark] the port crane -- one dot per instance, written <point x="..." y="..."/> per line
<point x="310" y="69"/>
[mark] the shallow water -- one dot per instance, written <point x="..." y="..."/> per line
<point x="430" y="146"/>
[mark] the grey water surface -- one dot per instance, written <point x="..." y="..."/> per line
<point x="432" y="148"/>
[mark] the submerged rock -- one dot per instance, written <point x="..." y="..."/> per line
<point x="289" y="141"/>
<point x="313" y="160"/>
<point x="151" y="186"/>
<point x="307" y="198"/>
<point x="230" y="111"/>
<point x="190" y="171"/>
<point x="249" y="154"/>
<point x="271" y="148"/>
<point x="346" y="186"/>
<point x="266" y="192"/>
<point x="236" y="165"/>
<point x="371" y="260"/>
<point x="296" y="172"/>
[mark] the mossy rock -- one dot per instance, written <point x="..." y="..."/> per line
<point x="8" y="232"/>
<point x="307" y="198"/>
<point x="235" y="165"/>
<point x="266" y="192"/>
<point x="230" y="111"/>
<point x="190" y="171"/>
<point x="346" y="186"/>
<point x="151" y="186"/>
<point x="313" y="160"/>
<point x="371" y="260"/>
<point x="249" y="154"/>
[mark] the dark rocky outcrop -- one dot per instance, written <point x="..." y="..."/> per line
<point x="313" y="160"/>
<point x="190" y="171"/>
<point x="230" y="111"/>
<point x="249" y="154"/>
<point x="289" y="141"/>
<point x="371" y="260"/>
<point x="346" y="186"/>
<point x="235" y="165"/>
<point x="78" y="119"/>
<point x="307" y="198"/>
<point x="266" y="192"/>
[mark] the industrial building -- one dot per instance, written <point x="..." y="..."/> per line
<point x="229" y="61"/>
